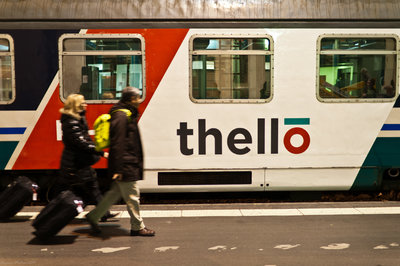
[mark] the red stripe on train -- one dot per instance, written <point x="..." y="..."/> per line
<point x="43" y="151"/>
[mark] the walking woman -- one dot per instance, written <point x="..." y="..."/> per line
<point x="79" y="153"/>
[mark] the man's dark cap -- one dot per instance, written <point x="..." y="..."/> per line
<point x="128" y="93"/>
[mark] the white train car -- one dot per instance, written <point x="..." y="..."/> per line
<point x="236" y="95"/>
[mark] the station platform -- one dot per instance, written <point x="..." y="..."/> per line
<point x="309" y="233"/>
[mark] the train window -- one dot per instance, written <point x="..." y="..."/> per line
<point x="7" y="87"/>
<point x="357" y="68"/>
<point x="231" y="69"/>
<point x="100" y="66"/>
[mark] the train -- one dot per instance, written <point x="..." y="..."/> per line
<point x="244" y="95"/>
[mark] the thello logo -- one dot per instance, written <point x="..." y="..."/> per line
<point x="240" y="141"/>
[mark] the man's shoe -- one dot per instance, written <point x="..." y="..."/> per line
<point x="143" y="232"/>
<point x="108" y="216"/>
<point x="94" y="226"/>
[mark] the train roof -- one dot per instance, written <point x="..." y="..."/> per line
<point x="20" y="11"/>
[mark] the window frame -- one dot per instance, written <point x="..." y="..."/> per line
<point x="63" y="53"/>
<point x="362" y="52"/>
<point x="10" y="53"/>
<point x="231" y="52"/>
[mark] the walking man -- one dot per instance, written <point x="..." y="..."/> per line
<point x="125" y="164"/>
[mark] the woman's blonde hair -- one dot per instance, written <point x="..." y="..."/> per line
<point x="73" y="105"/>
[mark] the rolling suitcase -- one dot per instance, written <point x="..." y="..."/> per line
<point x="57" y="214"/>
<point x="16" y="195"/>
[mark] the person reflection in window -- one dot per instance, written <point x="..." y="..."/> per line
<point x="264" y="94"/>
<point x="108" y="95"/>
<point x="365" y="80"/>
<point x="389" y="91"/>
<point x="370" y="88"/>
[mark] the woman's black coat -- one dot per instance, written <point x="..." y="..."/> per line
<point x="79" y="149"/>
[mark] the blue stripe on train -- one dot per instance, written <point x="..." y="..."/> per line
<point x="12" y="130"/>
<point x="391" y="127"/>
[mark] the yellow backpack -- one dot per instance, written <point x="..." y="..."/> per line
<point x="102" y="129"/>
